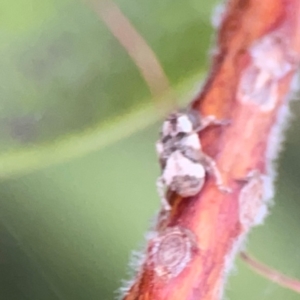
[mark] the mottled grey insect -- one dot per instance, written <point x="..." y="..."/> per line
<point x="182" y="161"/>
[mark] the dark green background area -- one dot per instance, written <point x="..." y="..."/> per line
<point x="67" y="230"/>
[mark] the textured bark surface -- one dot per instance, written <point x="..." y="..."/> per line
<point x="193" y="247"/>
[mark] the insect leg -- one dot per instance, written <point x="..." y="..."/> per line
<point x="160" y="185"/>
<point x="210" y="120"/>
<point x="211" y="167"/>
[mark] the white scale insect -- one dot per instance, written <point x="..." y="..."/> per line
<point x="182" y="161"/>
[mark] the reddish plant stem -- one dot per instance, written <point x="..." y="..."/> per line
<point x="193" y="247"/>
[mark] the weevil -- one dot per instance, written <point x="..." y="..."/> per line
<point x="183" y="163"/>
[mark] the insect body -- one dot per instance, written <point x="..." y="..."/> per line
<point x="183" y="163"/>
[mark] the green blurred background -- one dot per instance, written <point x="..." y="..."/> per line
<point x="77" y="160"/>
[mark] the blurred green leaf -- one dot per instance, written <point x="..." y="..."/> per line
<point x="68" y="87"/>
<point x="74" y="145"/>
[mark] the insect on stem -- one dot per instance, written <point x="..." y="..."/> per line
<point x="184" y="165"/>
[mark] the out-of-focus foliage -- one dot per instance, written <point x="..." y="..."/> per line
<point x="66" y="90"/>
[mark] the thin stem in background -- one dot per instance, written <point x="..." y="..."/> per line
<point x="137" y="48"/>
<point x="271" y="274"/>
